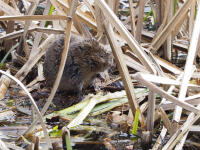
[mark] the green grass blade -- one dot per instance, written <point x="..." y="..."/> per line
<point x="145" y="18"/>
<point x="68" y="141"/>
<point x="136" y="121"/>
<point x="175" y="5"/>
<point x="50" y="13"/>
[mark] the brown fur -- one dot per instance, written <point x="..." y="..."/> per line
<point x="85" y="59"/>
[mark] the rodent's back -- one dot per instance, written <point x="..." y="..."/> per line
<point x="85" y="58"/>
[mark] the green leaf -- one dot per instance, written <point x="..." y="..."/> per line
<point x="2" y="65"/>
<point x="136" y="121"/>
<point x="55" y="132"/>
<point x="50" y="13"/>
<point x="175" y="4"/>
<point x="7" y="54"/>
<point x="51" y="10"/>
<point x="68" y="142"/>
<point x="10" y="102"/>
<point x="55" y="128"/>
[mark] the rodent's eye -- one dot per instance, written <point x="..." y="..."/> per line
<point x="101" y="55"/>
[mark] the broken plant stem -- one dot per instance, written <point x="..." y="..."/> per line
<point x="21" y="74"/>
<point x="4" y="84"/>
<point x="135" y="47"/>
<point x="159" y="40"/>
<point x="85" y="111"/>
<point x="164" y="94"/>
<point x="34" y="17"/>
<point x="164" y="130"/>
<point x="63" y="61"/>
<point x="30" y="11"/>
<point x="48" y="141"/>
<point x="132" y="18"/>
<point x="189" y="65"/>
<point x="39" y="35"/>
<point x="123" y="72"/>
<point x="180" y="133"/>
<point x="3" y="145"/>
<point x="140" y="20"/>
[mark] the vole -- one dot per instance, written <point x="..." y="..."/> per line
<point x="86" y="57"/>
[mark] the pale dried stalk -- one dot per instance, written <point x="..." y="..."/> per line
<point x="181" y="142"/>
<point x="8" y="9"/>
<point x="64" y="54"/>
<point x="180" y="27"/>
<point x="4" y="84"/>
<point x="139" y="26"/>
<point x="168" y="66"/>
<point x="40" y="76"/>
<point x="164" y="18"/>
<point x="170" y="26"/>
<point x="26" y="4"/>
<point x="160" y="139"/>
<point x="134" y="64"/>
<point x="99" y="21"/>
<point x="195" y="128"/>
<point x="185" y="84"/>
<point x="85" y="111"/>
<point x="3" y="145"/>
<point x="39" y="35"/>
<point x="157" y="11"/>
<point x="48" y="141"/>
<point x="164" y="130"/>
<point x="194" y="47"/>
<point x="62" y="7"/>
<point x="165" y="119"/>
<point x="150" y="114"/>
<point x="89" y="5"/>
<point x="168" y="48"/>
<point x="191" y="19"/>
<point x="189" y="62"/>
<point x="33" y="17"/>
<point x="151" y="98"/>
<point x="181" y="131"/>
<point x="164" y="94"/>
<point x="49" y="31"/>
<point x="123" y="71"/>
<point x="116" y="7"/>
<point x="12" y="146"/>
<point x="36" y="29"/>
<point x="163" y="80"/>
<point x="13" y="34"/>
<point x="109" y="14"/>
<point x="132" y="18"/>
<point x="33" y="60"/>
<point x="14" y="4"/>
<point x="171" y="106"/>
<point x="62" y="63"/>
<point x="31" y="11"/>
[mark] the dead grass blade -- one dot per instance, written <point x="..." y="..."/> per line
<point x="34" y="105"/>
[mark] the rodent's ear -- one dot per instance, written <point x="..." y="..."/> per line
<point x="94" y="42"/>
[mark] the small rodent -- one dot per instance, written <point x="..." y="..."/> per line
<point x="86" y="58"/>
